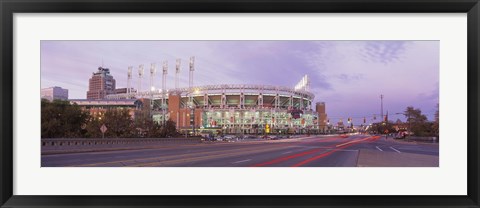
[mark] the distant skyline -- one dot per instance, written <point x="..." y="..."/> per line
<point x="349" y="76"/>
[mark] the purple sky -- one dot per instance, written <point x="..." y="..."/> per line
<point x="348" y="75"/>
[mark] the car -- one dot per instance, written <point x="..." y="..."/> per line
<point x="229" y="137"/>
<point x="275" y="138"/>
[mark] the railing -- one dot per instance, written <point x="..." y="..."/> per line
<point x="82" y="144"/>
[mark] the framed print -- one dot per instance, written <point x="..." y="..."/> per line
<point x="241" y="104"/>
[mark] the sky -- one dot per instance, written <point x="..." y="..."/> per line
<point x="349" y="76"/>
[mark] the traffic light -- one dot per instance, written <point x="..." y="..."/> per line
<point x="364" y="120"/>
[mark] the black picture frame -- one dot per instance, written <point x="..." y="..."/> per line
<point x="10" y="7"/>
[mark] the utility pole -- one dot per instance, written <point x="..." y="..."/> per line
<point x="381" y="106"/>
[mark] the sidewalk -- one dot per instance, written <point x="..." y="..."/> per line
<point x="374" y="158"/>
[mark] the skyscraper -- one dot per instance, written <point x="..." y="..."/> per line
<point x="101" y="84"/>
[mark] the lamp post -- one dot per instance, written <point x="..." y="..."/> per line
<point x="381" y="106"/>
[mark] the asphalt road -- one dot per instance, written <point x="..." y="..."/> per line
<point x="314" y="151"/>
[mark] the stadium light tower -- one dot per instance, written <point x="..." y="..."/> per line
<point x="177" y="72"/>
<point x="140" y="77"/>
<point x="164" y="88"/>
<point x="192" y="68"/>
<point x="129" y="79"/>
<point x="190" y="97"/>
<point x="190" y="81"/>
<point x="164" y="76"/>
<point x="153" y="71"/>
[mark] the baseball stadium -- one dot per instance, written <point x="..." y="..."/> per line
<point x="224" y="108"/>
<point x="234" y="109"/>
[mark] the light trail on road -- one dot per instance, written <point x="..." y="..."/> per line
<point x="313" y="151"/>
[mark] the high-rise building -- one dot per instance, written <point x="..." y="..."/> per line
<point x="54" y="93"/>
<point x="322" y="116"/>
<point x="101" y="84"/>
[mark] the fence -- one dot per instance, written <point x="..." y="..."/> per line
<point x="83" y="144"/>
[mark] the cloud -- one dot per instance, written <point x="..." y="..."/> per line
<point x="383" y="51"/>
<point x="432" y="95"/>
<point x="349" y="78"/>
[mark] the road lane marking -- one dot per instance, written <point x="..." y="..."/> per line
<point x="242" y="161"/>
<point x="379" y="148"/>
<point x="343" y="150"/>
<point x="286" y="152"/>
<point x="395" y="150"/>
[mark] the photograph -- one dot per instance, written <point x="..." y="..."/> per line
<point x="275" y="103"/>
<point x="239" y="103"/>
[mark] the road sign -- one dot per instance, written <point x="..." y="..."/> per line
<point x="103" y="129"/>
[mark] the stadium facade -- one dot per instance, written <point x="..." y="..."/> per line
<point x="236" y="109"/>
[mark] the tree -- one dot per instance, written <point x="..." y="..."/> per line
<point x="383" y="127"/>
<point x="119" y="123"/>
<point x="417" y="122"/>
<point x="153" y="129"/>
<point x="93" y="128"/>
<point x="436" y="123"/>
<point x="60" y="119"/>
<point x="170" y="128"/>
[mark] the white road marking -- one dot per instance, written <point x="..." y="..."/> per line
<point x="242" y="161"/>
<point x="395" y="150"/>
<point x="343" y="150"/>
<point x="286" y="152"/>
<point x="379" y="148"/>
